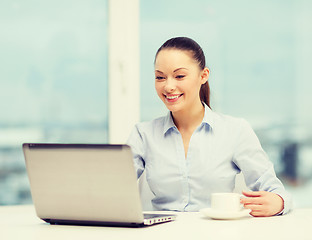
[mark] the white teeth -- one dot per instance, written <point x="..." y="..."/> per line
<point x="172" y="97"/>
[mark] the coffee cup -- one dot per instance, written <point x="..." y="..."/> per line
<point x="226" y="202"/>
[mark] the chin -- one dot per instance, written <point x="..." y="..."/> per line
<point x="173" y="108"/>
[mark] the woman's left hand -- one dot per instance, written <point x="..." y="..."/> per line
<point x="262" y="203"/>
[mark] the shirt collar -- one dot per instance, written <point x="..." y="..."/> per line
<point x="208" y="120"/>
<point x="169" y="124"/>
<point x="208" y="117"/>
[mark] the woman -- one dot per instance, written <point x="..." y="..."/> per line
<point x="193" y="151"/>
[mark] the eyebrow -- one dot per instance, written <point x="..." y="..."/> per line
<point x="173" y="71"/>
<point x="179" y="69"/>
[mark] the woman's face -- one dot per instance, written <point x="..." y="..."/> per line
<point x="178" y="79"/>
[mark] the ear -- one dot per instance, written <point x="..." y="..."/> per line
<point x="204" y="75"/>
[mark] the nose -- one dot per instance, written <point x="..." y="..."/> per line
<point x="170" y="85"/>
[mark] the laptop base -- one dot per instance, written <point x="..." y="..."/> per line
<point x="105" y="224"/>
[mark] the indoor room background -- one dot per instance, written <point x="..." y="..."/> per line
<point x="57" y="67"/>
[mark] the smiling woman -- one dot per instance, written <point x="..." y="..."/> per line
<point x="180" y="74"/>
<point x="260" y="69"/>
<point x="194" y="152"/>
<point x="192" y="56"/>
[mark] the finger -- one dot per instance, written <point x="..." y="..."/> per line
<point x="257" y="214"/>
<point x="253" y="193"/>
<point x="252" y="200"/>
<point x="254" y="208"/>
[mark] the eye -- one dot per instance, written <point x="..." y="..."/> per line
<point x="160" y="78"/>
<point x="180" y="76"/>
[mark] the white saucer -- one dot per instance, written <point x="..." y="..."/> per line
<point x="224" y="215"/>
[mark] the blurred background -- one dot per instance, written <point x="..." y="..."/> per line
<point x="54" y="76"/>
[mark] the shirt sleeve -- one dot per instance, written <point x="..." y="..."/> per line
<point x="258" y="171"/>
<point x="135" y="141"/>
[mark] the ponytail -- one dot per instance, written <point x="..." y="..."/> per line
<point x="204" y="93"/>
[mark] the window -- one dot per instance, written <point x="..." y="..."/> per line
<point x="53" y="81"/>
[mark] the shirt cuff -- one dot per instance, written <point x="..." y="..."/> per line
<point x="287" y="203"/>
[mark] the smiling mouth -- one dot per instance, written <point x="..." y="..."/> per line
<point x="173" y="98"/>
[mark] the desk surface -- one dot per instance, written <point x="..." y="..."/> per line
<point x="21" y="222"/>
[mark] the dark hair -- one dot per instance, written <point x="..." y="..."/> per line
<point x="187" y="44"/>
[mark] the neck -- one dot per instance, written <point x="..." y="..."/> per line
<point x="190" y="118"/>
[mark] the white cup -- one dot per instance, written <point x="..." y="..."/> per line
<point x="229" y="202"/>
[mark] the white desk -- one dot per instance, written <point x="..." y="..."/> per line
<point x="21" y="222"/>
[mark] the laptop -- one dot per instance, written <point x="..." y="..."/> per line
<point x="86" y="184"/>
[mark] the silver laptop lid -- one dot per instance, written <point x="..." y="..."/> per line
<point x="90" y="182"/>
